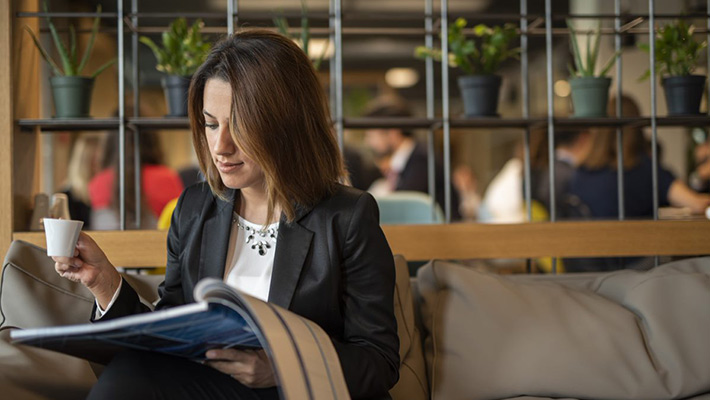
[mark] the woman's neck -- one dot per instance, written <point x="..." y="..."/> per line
<point x="252" y="205"/>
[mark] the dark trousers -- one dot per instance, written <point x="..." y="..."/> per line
<point x="144" y="375"/>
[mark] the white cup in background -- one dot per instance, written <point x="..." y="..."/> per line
<point x="62" y="235"/>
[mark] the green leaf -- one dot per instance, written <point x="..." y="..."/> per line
<point x="66" y="62"/>
<point x="609" y="64"/>
<point x="589" y="67"/>
<point x="575" y="48"/>
<point x="72" y="46"/>
<point x="43" y="52"/>
<point x="595" y="50"/>
<point x="90" y="45"/>
<point x="281" y="25"/>
<point x="102" y="68"/>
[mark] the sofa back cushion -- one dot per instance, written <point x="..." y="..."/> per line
<point x="622" y="335"/>
<point x="412" y="384"/>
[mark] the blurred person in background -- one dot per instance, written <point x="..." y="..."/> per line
<point x="700" y="177"/>
<point x="571" y="148"/>
<point x="159" y="184"/>
<point x="466" y="184"/>
<point x="403" y="159"/>
<point x="84" y="163"/>
<point x="595" y="183"/>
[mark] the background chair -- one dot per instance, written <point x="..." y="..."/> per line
<point x="407" y="207"/>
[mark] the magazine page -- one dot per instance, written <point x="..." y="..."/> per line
<point x="186" y="331"/>
<point x="302" y="354"/>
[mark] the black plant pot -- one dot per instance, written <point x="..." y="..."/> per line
<point x="176" y="88"/>
<point x="684" y="94"/>
<point x="480" y="95"/>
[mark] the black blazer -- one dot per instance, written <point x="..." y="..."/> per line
<point x="332" y="265"/>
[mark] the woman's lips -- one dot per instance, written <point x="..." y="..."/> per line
<point x="226" y="167"/>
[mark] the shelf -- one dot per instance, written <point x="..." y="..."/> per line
<point x="68" y="124"/>
<point x="390" y="122"/>
<point x="494" y="122"/>
<point x="183" y="123"/>
<point x="159" y="123"/>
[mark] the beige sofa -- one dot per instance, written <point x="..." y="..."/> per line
<point x="624" y="335"/>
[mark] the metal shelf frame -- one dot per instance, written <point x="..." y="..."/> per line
<point x="434" y="23"/>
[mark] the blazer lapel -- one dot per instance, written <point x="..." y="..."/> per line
<point x="215" y="239"/>
<point x="294" y="242"/>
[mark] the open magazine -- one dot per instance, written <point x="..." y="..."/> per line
<point x="302" y="354"/>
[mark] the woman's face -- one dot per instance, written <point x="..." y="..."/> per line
<point x="236" y="169"/>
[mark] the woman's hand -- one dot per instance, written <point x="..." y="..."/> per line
<point x="250" y="367"/>
<point x="91" y="268"/>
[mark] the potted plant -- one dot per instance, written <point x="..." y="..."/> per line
<point x="71" y="91"/>
<point x="183" y="51"/>
<point x="590" y="90"/>
<point x="676" y="58"/>
<point x="479" y="60"/>
<point x="304" y="38"/>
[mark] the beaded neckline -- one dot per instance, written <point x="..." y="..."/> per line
<point x="261" y="240"/>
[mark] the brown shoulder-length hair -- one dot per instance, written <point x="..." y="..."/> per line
<point x="603" y="147"/>
<point x="279" y="118"/>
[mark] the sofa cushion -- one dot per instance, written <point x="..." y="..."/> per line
<point x="412" y="384"/>
<point x="33" y="295"/>
<point x="622" y="335"/>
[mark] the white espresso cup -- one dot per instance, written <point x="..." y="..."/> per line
<point x="62" y="235"/>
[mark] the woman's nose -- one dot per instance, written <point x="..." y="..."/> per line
<point x="224" y="143"/>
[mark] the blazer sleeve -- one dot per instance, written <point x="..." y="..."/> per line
<point x="369" y="350"/>
<point x="170" y="290"/>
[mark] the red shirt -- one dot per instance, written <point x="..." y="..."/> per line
<point x="160" y="184"/>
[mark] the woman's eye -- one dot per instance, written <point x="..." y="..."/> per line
<point x="211" y="126"/>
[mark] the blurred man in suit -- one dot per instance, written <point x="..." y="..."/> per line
<point x="403" y="159"/>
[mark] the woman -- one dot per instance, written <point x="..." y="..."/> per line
<point x="263" y="139"/>
<point x="595" y="182"/>
<point x="160" y="184"/>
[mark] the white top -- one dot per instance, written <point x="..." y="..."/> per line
<point x="401" y="155"/>
<point x="382" y="187"/>
<point x="245" y="269"/>
<point x="250" y="259"/>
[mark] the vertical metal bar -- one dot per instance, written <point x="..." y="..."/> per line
<point x="230" y="17"/>
<point x="338" y="18"/>
<point x="136" y="113"/>
<point x="525" y="84"/>
<point x="431" y="162"/>
<point x="550" y="117"/>
<point x="121" y="119"/>
<point x="331" y="62"/>
<point x="445" y="107"/>
<point x="619" y="130"/>
<point x="654" y="128"/>
<point x="134" y="51"/>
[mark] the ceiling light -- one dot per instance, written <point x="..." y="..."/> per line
<point x="401" y="77"/>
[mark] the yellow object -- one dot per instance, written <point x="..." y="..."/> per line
<point x="539" y="214"/>
<point x="166" y="215"/>
<point x="163" y="225"/>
